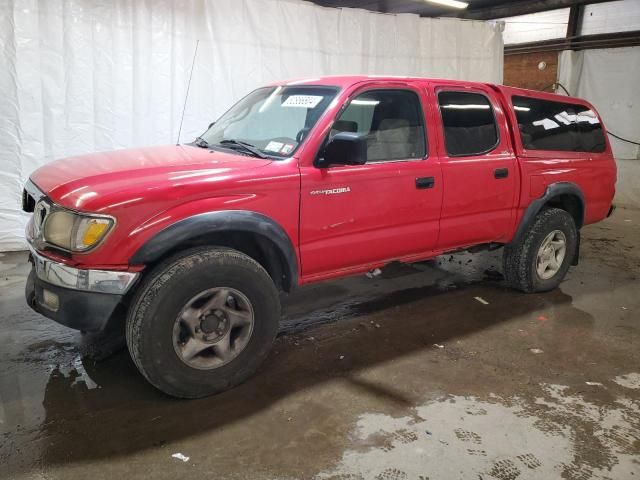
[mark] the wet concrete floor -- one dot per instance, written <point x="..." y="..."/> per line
<point x="404" y="376"/>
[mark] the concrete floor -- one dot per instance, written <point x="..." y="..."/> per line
<point x="404" y="376"/>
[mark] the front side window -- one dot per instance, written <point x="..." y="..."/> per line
<point x="275" y="120"/>
<point x="390" y="120"/>
<point x="559" y="126"/>
<point x="469" y="123"/>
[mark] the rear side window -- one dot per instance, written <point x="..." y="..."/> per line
<point x="549" y="125"/>
<point x="469" y="123"/>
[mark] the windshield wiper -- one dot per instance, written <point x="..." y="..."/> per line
<point x="247" y="147"/>
<point x="201" y="142"/>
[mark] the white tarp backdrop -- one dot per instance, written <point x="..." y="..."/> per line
<point x="610" y="80"/>
<point x="78" y="76"/>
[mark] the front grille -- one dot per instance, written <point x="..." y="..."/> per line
<point x="39" y="216"/>
<point x="30" y="196"/>
<point x="28" y="202"/>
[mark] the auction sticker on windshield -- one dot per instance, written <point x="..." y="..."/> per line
<point x="273" y="146"/>
<point x="302" y="101"/>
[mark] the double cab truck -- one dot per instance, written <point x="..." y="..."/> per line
<point x="300" y="182"/>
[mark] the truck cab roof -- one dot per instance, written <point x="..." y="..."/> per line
<point x="345" y="81"/>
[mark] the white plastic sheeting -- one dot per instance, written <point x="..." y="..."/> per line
<point x="620" y="16"/>
<point x="535" y="27"/>
<point x="608" y="78"/>
<point x="87" y="75"/>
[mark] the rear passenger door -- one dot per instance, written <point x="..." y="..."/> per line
<point x="479" y="168"/>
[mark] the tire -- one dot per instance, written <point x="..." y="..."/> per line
<point x="520" y="261"/>
<point x="155" y="322"/>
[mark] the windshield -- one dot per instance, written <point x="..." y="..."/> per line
<point x="274" y="120"/>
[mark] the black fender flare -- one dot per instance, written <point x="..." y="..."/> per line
<point x="219" y="221"/>
<point x="552" y="191"/>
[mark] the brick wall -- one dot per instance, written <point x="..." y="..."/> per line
<point x="522" y="70"/>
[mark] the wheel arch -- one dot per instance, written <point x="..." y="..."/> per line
<point x="564" y="195"/>
<point x="251" y="233"/>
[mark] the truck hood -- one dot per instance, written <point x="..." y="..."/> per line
<point x="80" y="182"/>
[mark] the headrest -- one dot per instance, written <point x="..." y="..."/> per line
<point x="345" y="126"/>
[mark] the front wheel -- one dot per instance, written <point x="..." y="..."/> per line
<point x="202" y="322"/>
<point x="540" y="259"/>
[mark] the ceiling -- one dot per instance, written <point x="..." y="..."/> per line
<point x="477" y="9"/>
<point x="421" y="7"/>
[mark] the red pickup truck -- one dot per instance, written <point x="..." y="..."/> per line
<point x="305" y="181"/>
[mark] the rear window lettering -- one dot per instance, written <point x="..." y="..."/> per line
<point x="558" y="126"/>
<point x="469" y="123"/>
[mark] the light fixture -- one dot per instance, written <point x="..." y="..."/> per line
<point x="450" y="3"/>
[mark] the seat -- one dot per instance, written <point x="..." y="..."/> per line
<point x="391" y="141"/>
<point x="470" y="140"/>
<point x="343" y="126"/>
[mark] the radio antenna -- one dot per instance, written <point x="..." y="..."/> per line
<point x="193" y="63"/>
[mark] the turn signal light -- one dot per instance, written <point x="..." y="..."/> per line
<point x="94" y="232"/>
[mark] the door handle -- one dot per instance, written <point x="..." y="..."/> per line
<point x="425" y="182"/>
<point x="501" y="172"/>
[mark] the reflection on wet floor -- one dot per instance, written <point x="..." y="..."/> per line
<point x="396" y="285"/>
<point x="354" y="354"/>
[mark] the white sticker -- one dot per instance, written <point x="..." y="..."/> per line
<point x="273" y="146"/>
<point x="302" y="101"/>
<point x="286" y="148"/>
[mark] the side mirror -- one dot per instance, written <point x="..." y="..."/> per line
<point x="345" y="148"/>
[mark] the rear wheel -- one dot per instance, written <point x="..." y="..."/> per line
<point x="202" y="322"/>
<point x="541" y="258"/>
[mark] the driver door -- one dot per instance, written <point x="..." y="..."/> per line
<point x="353" y="218"/>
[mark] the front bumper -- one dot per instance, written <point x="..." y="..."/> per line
<point x="76" y="298"/>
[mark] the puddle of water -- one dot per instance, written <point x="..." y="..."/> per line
<point x="401" y="284"/>
<point x="468" y="437"/>
<point x="630" y="380"/>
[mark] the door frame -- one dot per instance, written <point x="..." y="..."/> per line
<point x="313" y="148"/>
<point x="501" y="151"/>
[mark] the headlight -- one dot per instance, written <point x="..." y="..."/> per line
<point x="74" y="231"/>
